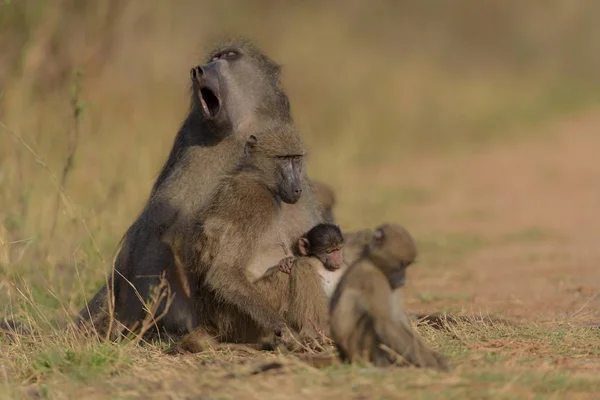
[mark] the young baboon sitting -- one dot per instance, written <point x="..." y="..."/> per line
<point x="245" y="207"/>
<point x="304" y="302"/>
<point x="365" y="312"/>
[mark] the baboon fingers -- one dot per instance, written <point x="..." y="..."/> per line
<point x="286" y="264"/>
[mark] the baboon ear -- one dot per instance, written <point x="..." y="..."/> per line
<point x="303" y="246"/>
<point x="340" y="233"/>
<point x="379" y="237"/>
<point x="250" y="144"/>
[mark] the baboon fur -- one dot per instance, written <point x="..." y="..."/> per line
<point x="365" y="313"/>
<point x="205" y="149"/>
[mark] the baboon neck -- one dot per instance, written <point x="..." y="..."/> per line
<point x="382" y="263"/>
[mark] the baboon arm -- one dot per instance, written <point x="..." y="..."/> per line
<point x="399" y="314"/>
<point x="229" y="247"/>
<point x="270" y="276"/>
<point x="345" y="314"/>
<point x="238" y="290"/>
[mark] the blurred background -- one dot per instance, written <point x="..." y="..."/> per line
<point x="97" y="89"/>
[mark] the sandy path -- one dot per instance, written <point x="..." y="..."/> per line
<point x="548" y="185"/>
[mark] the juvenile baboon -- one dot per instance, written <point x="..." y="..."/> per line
<point x="355" y="243"/>
<point x="235" y="93"/>
<point x="365" y="314"/>
<point x="246" y="206"/>
<point x="326" y="197"/>
<point x="291" y="287"/>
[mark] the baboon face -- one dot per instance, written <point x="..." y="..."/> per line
<point x="393" y="250"/>
<point x="236" y="83"/>
<point x="279" y="155"/>
<point x="289" y="169"/>
<point x="324" y="241"/>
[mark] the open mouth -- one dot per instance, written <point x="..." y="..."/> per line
<point x="210" y="102"/>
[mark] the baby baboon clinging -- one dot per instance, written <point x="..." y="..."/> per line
<point x="291" y="288"/>
<point x="326" y="198"/>
<point x="246" y="206"/>
<point x="237" y="91"/>
<point x="365" y="314"/>
<point x="323" y="244"/>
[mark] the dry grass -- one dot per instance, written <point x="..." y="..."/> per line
<point x="471" y="122"/>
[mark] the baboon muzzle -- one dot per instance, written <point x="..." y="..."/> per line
<point x="206" y="79"/>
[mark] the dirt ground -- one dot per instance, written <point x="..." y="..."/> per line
<point x="532" y="207"/>
<point x="508" y="229"/>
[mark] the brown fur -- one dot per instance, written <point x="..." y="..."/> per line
<point x="244" y="209"/>
<point x="326" y="198"/>
<point x="355" y="243"/>
<point x="366" y="314"/>
<point x="298" y="286"/>
<point x="204" y="150"/>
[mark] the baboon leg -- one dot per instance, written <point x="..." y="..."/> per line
<point x="402" y="340"/>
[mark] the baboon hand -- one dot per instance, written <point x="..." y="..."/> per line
<point x="285" y="265"/>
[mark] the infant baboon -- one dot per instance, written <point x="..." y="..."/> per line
<point x="245" y="207"/>
<point x="304" y="301"/>
<point x="365" y="313"/>
<point x="324" y="244"/>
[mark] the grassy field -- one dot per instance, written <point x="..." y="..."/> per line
<point x="474" y="124"/>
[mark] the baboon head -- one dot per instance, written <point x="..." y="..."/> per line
<point x="392" y="249"/>
<point x="278" y="157"/>
<point x="236" y="84"/>
<point x="324" y="241"/>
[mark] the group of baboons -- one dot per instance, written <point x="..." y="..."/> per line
<point x="248" y="244"/>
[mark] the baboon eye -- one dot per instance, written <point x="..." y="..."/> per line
<point x="229" y="54"/>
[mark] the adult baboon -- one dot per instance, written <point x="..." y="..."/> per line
<point x="365" y="315"/>
<point x="244" y="213"/>
<point x="235" y="93"/>
<point x="326" y="197"/>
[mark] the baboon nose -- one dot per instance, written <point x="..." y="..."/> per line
<point x="298" y="191"/>
<point x="197" y="72"/>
